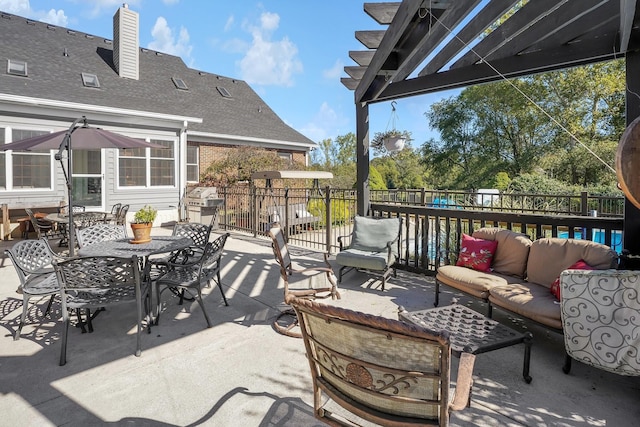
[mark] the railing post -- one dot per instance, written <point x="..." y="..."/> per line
<point x="224" y="207"/>
<point x="254" y="213"/>
<point x="328" y="219"/>
<point x="423" y="196"/>
<point x="286" y="214"/>
<point x="584" y="202"/>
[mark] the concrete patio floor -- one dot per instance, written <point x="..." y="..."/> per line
<point x="242" y="373"/>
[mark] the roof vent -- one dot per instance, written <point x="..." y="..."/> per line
<point x="65" y="53"/>
<point x="125" y="43"/>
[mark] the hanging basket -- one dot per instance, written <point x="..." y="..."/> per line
<point x="394" y="143"/>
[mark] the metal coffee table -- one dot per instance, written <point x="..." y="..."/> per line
<point x="471" y="330"/>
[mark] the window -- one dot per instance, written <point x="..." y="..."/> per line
<point x="180" y="84"/>
<point x="16" y="68"/>
<point x="90" y="80"/>
<point x="133" y="167"/>
<point x="162" y="164"/>
<point x="147" y="167"/>
<point x="223" y="91"/>
<point x="287" y="157"/>
<point x="193" y="174"/>
<point x="31" y="169"/>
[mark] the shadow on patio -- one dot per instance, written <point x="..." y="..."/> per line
<point x="241" y="372"/>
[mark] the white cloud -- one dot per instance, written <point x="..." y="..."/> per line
<point x="229" y="24"/>
<point x="23" y="8"/>
<point x="165" y="41"/>
<point x="267" y="61"/>
<point x="325" y="124"/>
<point x="334" y="72"/>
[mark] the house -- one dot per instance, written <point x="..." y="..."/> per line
<point x="51" y="76"/>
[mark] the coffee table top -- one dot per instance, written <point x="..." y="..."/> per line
<point x="468" y="330"/>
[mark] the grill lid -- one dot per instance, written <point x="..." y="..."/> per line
<point x="203" y="193"/>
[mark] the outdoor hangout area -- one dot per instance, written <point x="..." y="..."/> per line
<point x="241" y="370"/>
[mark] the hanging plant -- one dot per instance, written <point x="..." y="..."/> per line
<point x="392" y="139"/>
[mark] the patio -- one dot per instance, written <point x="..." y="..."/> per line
<point x="241" y="372"/>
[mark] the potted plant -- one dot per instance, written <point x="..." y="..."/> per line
<point x="142" y="223"/>
<point x="390" y="140"/>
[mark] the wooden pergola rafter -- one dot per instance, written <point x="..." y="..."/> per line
<point x="426" y="46"/>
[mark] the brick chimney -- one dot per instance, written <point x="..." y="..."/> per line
<point x="126" y="42"/>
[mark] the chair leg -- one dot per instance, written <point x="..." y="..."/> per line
<point x="220" y="287"/>
<point x="566" y="368"/>
<point x="201" y="303"/>
<point x="23" y="319"/>
<point x="437" y="301"/>
<point x="49" y="305"/>
<point x="65" y="333"/>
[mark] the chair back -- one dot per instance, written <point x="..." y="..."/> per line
<point x="115" y="209"/>
<point x="198" y="233"/>
<point x="87" y="219"/>
<point x="600" y="312"/>
<point x="99" y="273"/>
<point x="373" y="234"/>
<point x="280" y="250"/>
<point x="99" y="233"/>
<point x="41" y="226"/>
<point x="382" y="370"/>
<point x="122" y="215"/>
<point x="210" y="264"/>
<point x="31" y="256"/>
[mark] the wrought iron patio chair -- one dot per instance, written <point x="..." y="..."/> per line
<point x="99" y="233"/>
<point x="45" y="229"/>
<point x="311" y="283"/>
<point x="382" y="370"/>
<point x="95" y="282"/>
<point x="374" y="247"/>
<point x="33" y="261"/>
<point x="115" y="209"/>
<point x="122" y="215"/>
<point x="87" y="219"/>
<point x="191" y="272"/>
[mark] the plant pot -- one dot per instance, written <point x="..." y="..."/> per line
<point x="394" y="143"/>
<point x="141" y="232"/>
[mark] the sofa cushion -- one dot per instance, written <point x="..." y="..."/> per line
<point x="512" y="252"/>
<point x="548" y="257"/>
<point x="476" y="254"/>
<point x="471" y="281"/>
<point x="373" y="234"/>
<point x="529" y="300"/>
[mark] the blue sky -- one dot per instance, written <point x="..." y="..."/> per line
<point x="291" y="52"/>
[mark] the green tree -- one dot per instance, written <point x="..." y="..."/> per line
<point x="240" y="163"/>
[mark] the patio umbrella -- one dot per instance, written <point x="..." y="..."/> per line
<point x="81" y="137"/>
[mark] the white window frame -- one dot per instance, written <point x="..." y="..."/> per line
<point x="9" y="157"/>
<point x="196" y="164"/>
<point x="147" y="160"/>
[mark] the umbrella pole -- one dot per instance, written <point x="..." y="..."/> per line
<point x="66" y="145"/>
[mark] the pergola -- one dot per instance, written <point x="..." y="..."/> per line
<point x="435" y="45"/>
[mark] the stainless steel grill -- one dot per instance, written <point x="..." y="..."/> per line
<point x="203" y="197"/>
<point x="202" y="205"/>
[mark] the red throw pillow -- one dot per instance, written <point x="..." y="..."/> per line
<point x="476" y="253"/>
<point x="579" y="265"/>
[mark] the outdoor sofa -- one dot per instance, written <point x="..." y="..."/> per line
<point x="522" y="273"/>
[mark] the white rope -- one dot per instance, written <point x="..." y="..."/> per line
<point x="575" y="138"/>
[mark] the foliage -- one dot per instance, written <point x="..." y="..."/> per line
<point x="494" y="128"/>
<point x="239" y="163"/>
<point x="145" y="215"/>
<point x="375" y="179"/>
<point x="401" y="170"/>
<point x="502" y="181"/>
<point x="340" y="211"/>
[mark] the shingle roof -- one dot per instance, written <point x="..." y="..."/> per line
<point x="52" y="75"/>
